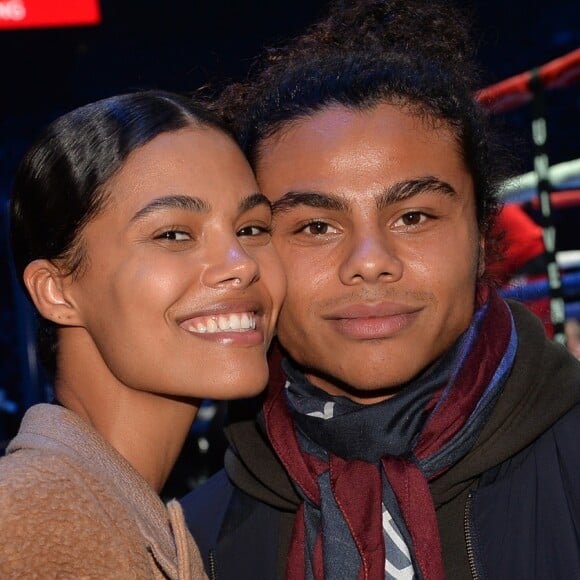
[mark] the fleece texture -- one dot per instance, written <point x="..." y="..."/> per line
<point x="72" y="507"/>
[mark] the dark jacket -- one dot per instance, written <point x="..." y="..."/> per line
<point x="509" y="509"/>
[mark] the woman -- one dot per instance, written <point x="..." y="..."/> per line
<point x="140" y="237"/>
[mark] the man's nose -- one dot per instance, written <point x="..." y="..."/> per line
<point x="371" y="257"/>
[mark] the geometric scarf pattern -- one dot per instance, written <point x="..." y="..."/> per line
<point x="363" y="471"/>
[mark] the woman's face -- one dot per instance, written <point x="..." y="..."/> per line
<point x="181" y="285"/>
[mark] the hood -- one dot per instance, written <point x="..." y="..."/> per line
<point x="543" y="385"/>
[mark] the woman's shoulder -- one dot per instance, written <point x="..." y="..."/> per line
<point x="55" y="515"/>
<point x="28" y="473"/>
<point x="54" y="483"/>
<point x="44" y="474"/>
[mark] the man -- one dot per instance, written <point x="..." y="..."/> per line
<point x="421" y="427"/>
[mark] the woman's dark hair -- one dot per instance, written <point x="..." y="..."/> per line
<point x="60" y="184"/>
<point x="416" y="54"/>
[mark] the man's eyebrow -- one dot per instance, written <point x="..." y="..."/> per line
<point x="184" y="202"/>
<point x="294" y="199"/>
<point x="253" y="200"/>
<point x="403" y="190"/>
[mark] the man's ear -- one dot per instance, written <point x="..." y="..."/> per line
<point x="48" y="288"/>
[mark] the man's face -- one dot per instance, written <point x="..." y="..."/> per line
<point x="375" y="223"/>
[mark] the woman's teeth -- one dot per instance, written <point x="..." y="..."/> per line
<point x="238" y="322"/>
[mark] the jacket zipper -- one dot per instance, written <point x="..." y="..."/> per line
<point x="212" y="575"/>
<point x="469" y="538"/>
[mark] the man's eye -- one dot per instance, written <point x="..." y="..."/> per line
<point x="411" y="218"/>
<point x="174" y="236"/>
<point x="318" y="228"/>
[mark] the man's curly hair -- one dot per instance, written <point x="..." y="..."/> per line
<point x="417" y="54"/>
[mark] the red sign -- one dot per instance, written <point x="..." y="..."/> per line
<point x="48" y="13"/>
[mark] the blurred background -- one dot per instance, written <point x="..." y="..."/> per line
<point x="56" y="58"/>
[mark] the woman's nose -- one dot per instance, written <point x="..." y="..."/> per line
<point x="230" y="264"/>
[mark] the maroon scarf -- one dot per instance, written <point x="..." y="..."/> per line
<point x="454" y="413"/>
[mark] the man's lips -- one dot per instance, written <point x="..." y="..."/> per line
<point x="368" y="321"/>
<point x="371" y="310"/>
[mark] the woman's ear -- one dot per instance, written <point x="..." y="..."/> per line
<point x="47" y="286"/>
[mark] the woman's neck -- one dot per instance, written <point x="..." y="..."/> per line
<point x="147" y="429"/>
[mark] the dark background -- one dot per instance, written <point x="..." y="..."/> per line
<point x="181" y="44"/>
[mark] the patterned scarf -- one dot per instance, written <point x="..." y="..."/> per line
<point x="363" y="470"/>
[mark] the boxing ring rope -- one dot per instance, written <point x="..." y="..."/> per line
<point x="531" y="86"/>
<point x="568" y="260"/>
<point x="524" y="188"/>
<point x="539" y="288"/>
<point x="517" y="90"/>
<point x="563" y="200"/>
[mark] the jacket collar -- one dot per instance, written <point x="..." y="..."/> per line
<point x="59" y="430"/>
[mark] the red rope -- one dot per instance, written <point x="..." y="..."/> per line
<point x="560" y="200"/>
<point x="515" y="91"/>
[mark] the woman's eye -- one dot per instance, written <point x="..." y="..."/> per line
<point x="254" y="231"/>
<point x="318" y="228"/>
<point x="174" y="236"/>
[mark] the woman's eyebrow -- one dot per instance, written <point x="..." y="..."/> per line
<point x="294" y="199"/>
<point x="253" y="200"/>
<point x="403" y="190"/>
<point x="183" y="202"/>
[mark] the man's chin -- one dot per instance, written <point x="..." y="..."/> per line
<point x="368" y="392"/>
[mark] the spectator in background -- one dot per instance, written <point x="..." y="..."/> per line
<point x="522" y="245"/>
<point x="521" y="256"/>
<point x="521" y="261"/>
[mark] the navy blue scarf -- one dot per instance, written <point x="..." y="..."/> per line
<point x="363" y="470"/>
